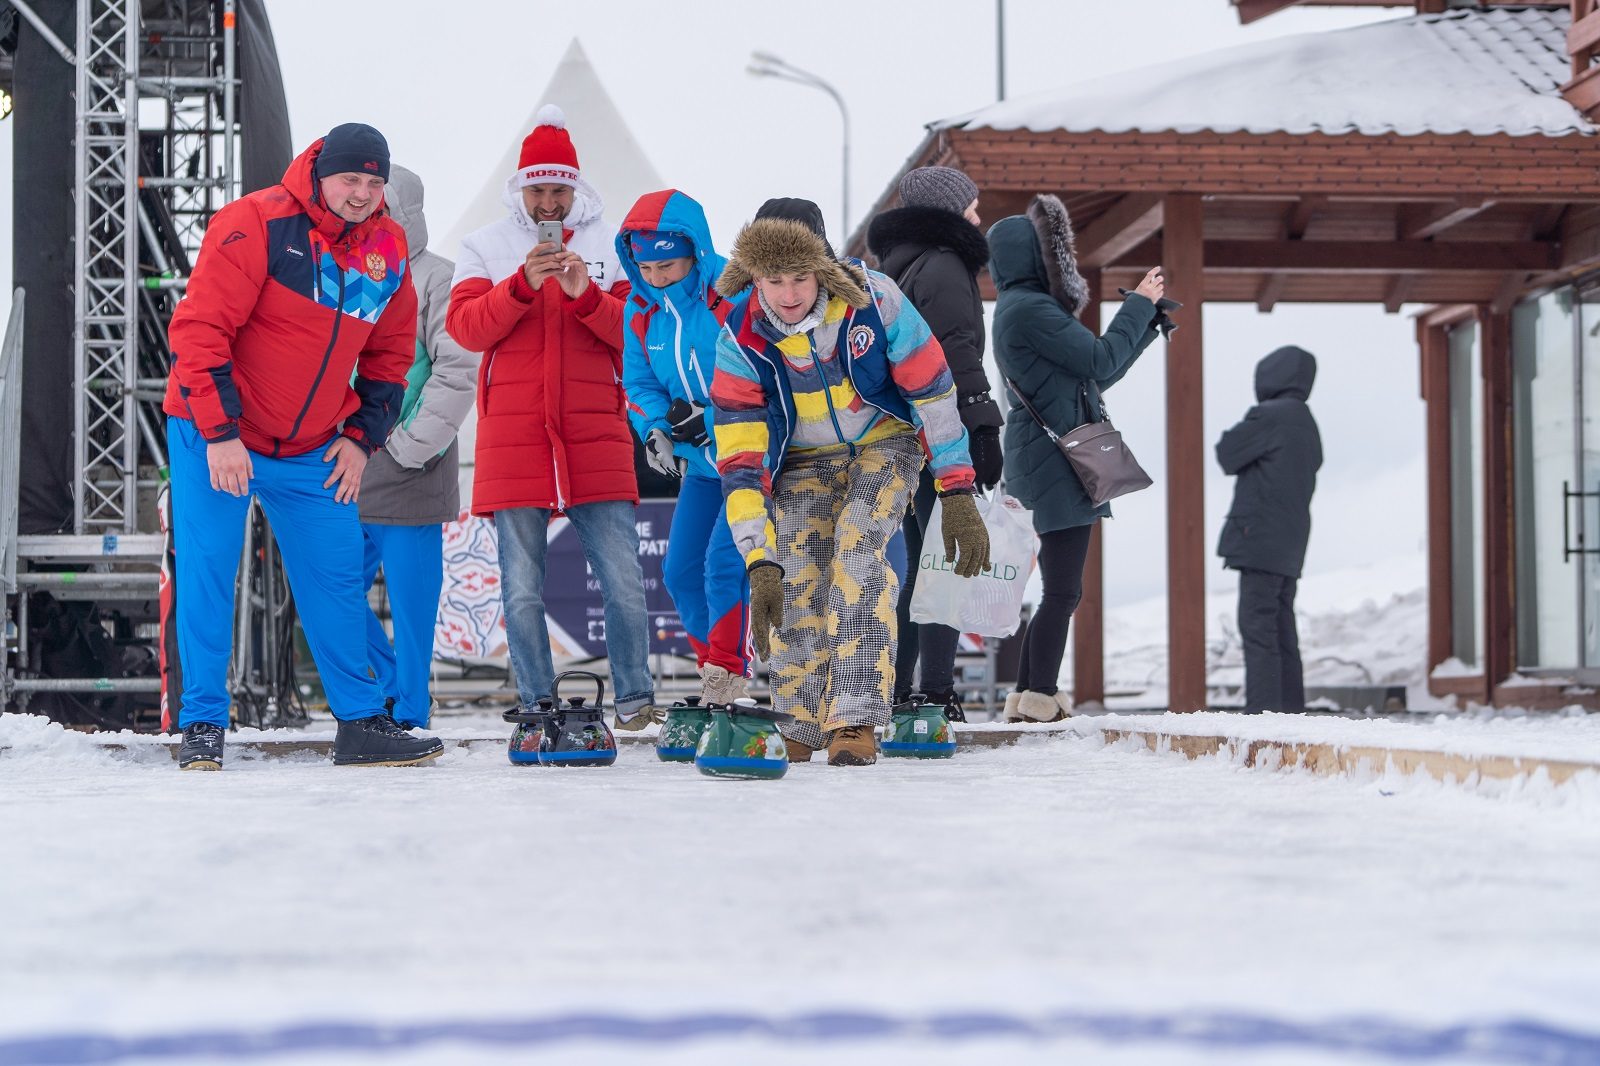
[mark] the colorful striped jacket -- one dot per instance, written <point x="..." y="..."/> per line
<point x="890" y="361"/>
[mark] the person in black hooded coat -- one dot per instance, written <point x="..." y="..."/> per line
<point x="1275" y="453"/>
<point x="932" y="247"/>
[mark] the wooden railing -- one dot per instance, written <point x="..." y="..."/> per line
<point x="1583" y="43"/>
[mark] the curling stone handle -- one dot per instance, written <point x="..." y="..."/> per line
<point x="599" y="686"/>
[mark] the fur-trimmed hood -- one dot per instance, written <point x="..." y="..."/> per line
<point x="906" y="232"/>
<point x="1057" y="244"/>
<point x="770" y="246"/>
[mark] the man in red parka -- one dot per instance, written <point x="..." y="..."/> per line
<point x="289" y="358"/>
<point x="553" y="435"/>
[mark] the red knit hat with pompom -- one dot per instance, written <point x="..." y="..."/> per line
<point x="548" y="157"/>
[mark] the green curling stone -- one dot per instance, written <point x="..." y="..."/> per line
<point x="742" y="740"/>
<point x="918" y="730"/>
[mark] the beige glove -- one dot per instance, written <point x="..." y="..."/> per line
<point x="966" y="541"/>
<point x="766" y="605"/>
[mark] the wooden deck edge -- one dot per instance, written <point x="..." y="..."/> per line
<point x="1330" y="760"/>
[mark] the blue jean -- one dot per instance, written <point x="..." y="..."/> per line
<point x="611" y="544"/>
<point x="320" y="539"/>
<point x="412" y="558"/>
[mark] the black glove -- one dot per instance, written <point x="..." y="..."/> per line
<point x="987" y="455"/>
<point x="688" y="422"/>
<point x="1162" y="322"/>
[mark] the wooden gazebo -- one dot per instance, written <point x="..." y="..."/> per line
<point x="1446" y="159"/>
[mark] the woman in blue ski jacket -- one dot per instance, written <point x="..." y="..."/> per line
<point x="669" y="351"/>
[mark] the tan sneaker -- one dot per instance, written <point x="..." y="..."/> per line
<point x="799" y="752"/>
<point x="647" y="715"/>
<point x="855" y="745"/>
<point x="719" y="685"/>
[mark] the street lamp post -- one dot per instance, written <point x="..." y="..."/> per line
<point x="767" y="65"/>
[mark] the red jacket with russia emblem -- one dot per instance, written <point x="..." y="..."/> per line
<point x="552" y="423"/>
<point x="286" y="303"/>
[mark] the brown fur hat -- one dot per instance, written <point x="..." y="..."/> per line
<point x="770" y="246"/>
<point x="1057" y="242"/>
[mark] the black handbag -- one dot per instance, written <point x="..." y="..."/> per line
<point x="1095" y="449"/>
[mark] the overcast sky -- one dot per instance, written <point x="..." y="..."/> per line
<point x="451" y="97"/>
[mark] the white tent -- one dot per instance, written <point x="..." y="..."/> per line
<point x="610" y="158"/>
<point x="613" y="163"/>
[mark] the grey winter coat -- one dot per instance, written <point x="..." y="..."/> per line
<point x="1042" y="347"/>
<point x="413" y="480"/>
<point x="1276" y="453"/>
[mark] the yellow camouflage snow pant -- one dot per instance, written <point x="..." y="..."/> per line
<point x="833" y="658"/>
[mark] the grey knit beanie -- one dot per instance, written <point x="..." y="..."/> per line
<point x="941" y="187"/>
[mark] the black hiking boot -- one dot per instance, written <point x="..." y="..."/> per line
<point x="202" y="747"/>
<point x="953" y="711"/>
<point x="381" y="741"/>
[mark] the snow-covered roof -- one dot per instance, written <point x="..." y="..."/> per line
<point x="1495" y="71"/>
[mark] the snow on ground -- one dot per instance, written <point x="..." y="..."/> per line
<point x="1130" y="907"/>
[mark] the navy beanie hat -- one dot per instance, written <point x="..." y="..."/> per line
<point x="653" y="246"/>
<point x="353" y="148"/>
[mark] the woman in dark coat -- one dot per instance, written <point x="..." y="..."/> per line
<point x="1054" y="360"/>
<point x="932" y="247"/>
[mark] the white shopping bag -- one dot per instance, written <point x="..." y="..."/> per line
<point x="990" y="604"/>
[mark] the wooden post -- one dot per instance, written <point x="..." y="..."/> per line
<point x="1088" y="621"/>
<point x="1433" y="342"/>
<point x="1499" y="653"/>
<point x="1182" y="261"/>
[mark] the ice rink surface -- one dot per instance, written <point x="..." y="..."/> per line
<point x="1053" y="901"/>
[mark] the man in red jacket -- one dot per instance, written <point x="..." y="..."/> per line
<point x="553" y="436"/>
<point x="289" y="356"/>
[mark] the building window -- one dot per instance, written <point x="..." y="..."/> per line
<point x="1466" y="492"/>
<point x="1545" y="401"/>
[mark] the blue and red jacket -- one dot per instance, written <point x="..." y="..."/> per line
<point x="287" y="301"/>
<point x="669" y="336"/>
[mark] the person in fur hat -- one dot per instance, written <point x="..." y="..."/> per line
<point x="932" y="247"/>
<point x="829" y="392"/>
<point x="552" y="436"/>
<point x="1055" y="361"/>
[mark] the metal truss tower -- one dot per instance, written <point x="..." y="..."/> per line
<point x="154" y="147"/>
<point x="136" y="67"/>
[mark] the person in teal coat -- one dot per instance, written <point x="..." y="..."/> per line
<point x="1061" y="367"/>
<point x="669" y="354"/>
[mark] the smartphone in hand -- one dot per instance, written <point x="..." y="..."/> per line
<point x="550" y="233"/>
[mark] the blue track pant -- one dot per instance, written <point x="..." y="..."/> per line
<point x="705" y="576"/>
<point x="412" y="558"/>
<point x="320" y="540"/>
